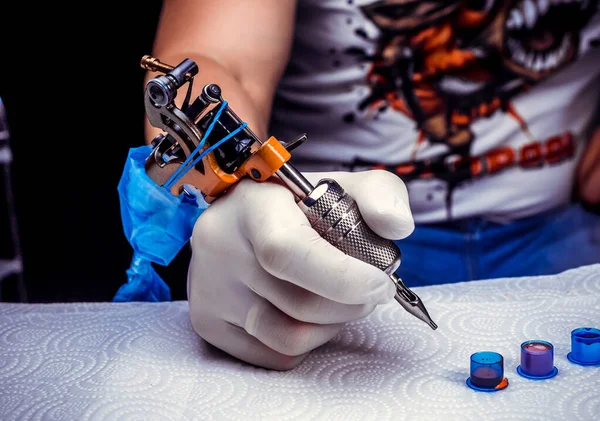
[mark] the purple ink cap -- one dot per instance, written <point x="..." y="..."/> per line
<point x="585" y="346"/>
<point x="487" y="372"/>
<point x="537" y="360"/>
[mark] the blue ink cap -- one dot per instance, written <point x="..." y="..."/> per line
<point x="585" y="346"/>
<point x="487" y="372"/>
<point x="537" y="360"/>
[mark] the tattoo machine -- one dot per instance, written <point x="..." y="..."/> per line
<point x="207" y="146"/>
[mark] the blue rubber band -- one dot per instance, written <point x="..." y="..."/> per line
<point x="219" y="143"/>
<point x="177" y="174"/>
<point x="213" y="147"/>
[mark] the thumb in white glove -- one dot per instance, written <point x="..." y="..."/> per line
<point x="264" y="287"/>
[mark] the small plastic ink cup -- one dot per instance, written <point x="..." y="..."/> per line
<point x="537" y="360"/>
<point x="585" y="346"/>
<point x="487" y="372"/>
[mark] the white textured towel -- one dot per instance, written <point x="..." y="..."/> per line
<point x="143" y="361"/>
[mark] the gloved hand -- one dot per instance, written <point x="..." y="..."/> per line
<point x="264" y="287"/>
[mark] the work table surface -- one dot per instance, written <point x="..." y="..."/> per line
<point x="143" y="361"/>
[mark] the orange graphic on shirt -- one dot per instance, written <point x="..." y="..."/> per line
<point x="448" y="63"/>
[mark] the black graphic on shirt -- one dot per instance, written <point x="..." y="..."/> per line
<point x="448" y="63"/>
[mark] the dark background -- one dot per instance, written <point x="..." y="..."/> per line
<point x="72" y="87"/>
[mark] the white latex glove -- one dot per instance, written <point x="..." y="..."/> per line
<point x="264" y="287"/>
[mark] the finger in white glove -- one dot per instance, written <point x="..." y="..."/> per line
<point x="266" y="288"/>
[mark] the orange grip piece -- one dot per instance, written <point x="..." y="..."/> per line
<point x="264" y="162"/>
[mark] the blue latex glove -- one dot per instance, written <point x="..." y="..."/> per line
<point x="143" y="283"/>
<point x="156" y="223"/>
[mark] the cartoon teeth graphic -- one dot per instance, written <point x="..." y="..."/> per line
<point x="542" y="35"/>
<point x="540" y="62"/>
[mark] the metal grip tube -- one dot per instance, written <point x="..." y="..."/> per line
<point x="335" y="216"/>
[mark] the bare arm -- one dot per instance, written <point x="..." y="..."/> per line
<point x="588" y="175"/>
<point x="243" y="46"/>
